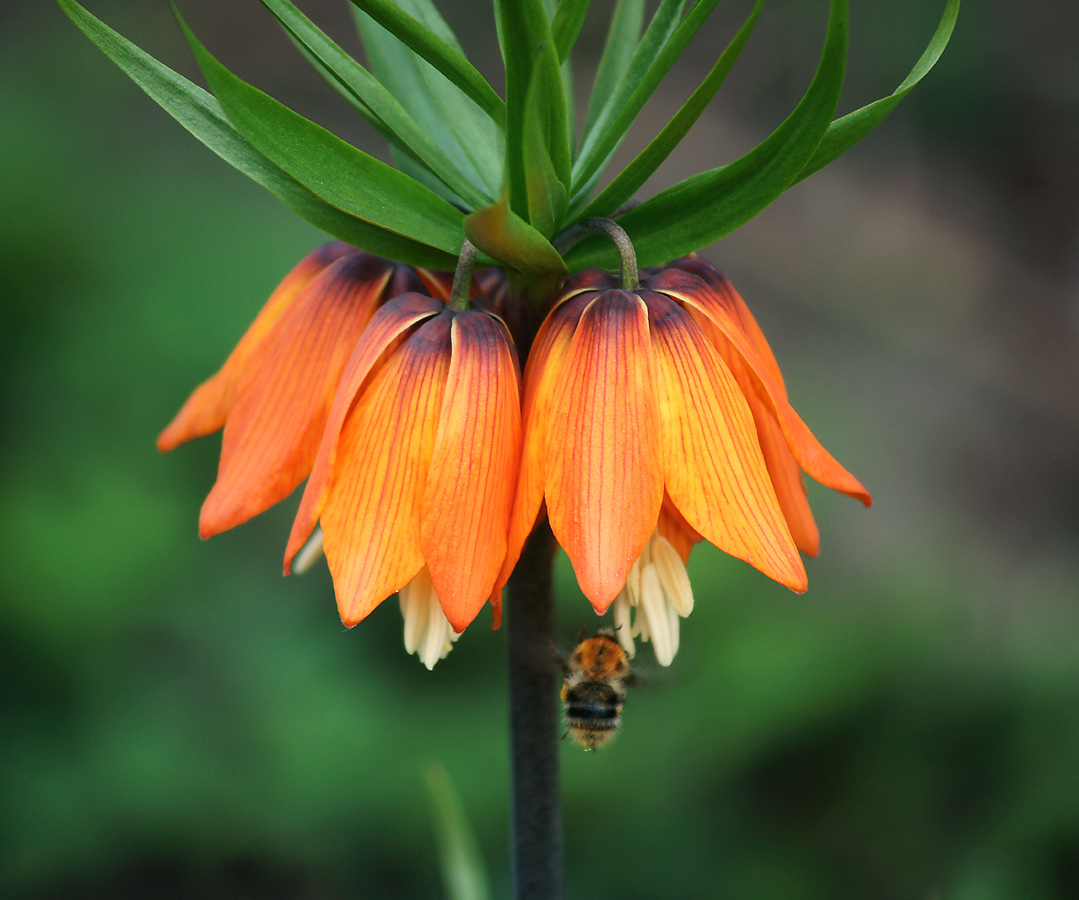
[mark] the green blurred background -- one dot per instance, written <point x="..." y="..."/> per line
<point x="179" y="721"/>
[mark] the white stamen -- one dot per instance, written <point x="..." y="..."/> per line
<point x="428" y="632"/>
<point x="659" y="587"/>
<point x="309" y="554"/>
<point x="623" y="628"/>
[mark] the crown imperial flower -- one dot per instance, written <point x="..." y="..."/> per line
<point x="645" y="412"/>
<point x="414" y="479"/>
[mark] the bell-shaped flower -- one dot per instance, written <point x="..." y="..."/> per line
<point x="641" y="439"/>
<point x="414" y="479"/>
<point x="274" y="392"/>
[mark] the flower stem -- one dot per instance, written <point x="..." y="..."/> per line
<point x="533" y="681"/>
<point x="626" y="253"/>
<point x="462" y="278"/>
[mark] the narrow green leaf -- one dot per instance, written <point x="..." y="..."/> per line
<point x="526" y="34"/>
<point x="846" y="131"/>
<point x="622" y="36"/>
<point x="463" y="874"/>
<point x="568" y="19"/>
<point x="701" y="209"/>
<point x="444" y="57"/>
<point x="468" y="136"/>
<point x="630" y="179"/>
<point x="199" y="113"/>
<point x="334" y="170"/>
<point x="547" y="194"/>
<point x="506" y="237"/>
<point x="651" y="61"/>
<point x="343" y="69"/>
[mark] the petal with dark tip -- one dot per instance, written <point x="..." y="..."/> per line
<point x="470" y="482"/>
<point x="713" y="467"/>
<point x="371" y="518"/>
<point x="383" y="332"/>
<point x="286" y="390"/>
<point x="208" y="406"/>
<point x="604" y="486"/>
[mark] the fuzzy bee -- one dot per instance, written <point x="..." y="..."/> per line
<point x="597" y="674"/>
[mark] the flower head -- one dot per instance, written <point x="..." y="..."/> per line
<point x="414" y="479"/>
<point x="645" y="413"/>
<point x="274" y="392"/>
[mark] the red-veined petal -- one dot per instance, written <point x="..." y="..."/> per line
<point x="543" y="371"/>
<point x="208" y="406"/>
<point x="286" y="390"/>
<point x="383" y="331"/>
<point x="713" y="467"/>
<point x="371" y="517"/>
<point x="713" y="312"/>
<point x="604" y="486"/>
<point x="782" y="466"/>
<point x="473" y="472"/>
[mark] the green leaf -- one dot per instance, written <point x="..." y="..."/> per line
<point x="469" y="137"/>
<point x="332" y="169"/>
<point x="627" y="182"/>
<point x="526" y="35"/>
<point x="701" y="209"/>
<point x="506" y="237"/>
<point x="568" y="19"/>
<point x="443" y="56"/>
<point x="846" y="131"/>
<point x="341" y="68"/>
<point x="650" y="63"/>
<point x="545" y="126"/>
<point x="622" y="36"/>
<point x="463" y="875"/>
<point x="202" y="116"/>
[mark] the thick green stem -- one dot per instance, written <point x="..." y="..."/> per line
<point x="534" y="722"/>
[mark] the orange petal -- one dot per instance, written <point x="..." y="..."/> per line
<point x="208" y="406"/>
<point x="783" y="468"/>
<point x="714" y="313"/>
<point x="604" y="486"/>
<point x="713" y="467"/>
<point x="728" y="297"/>
<point x="473" y="472"/>
<point x="285" y="392"/>
<point x="543" y="371"/>
<point x="381" y="335"/>
<point x="371" y="517"/>
<point x="673" y="526"/>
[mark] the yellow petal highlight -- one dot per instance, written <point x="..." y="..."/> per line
<point x="208" y="406"/>
<point x="470" y="482"/>
<point x="381" y="335"/>
<point x="713" y="467"/>
<point x="604" y="486"/>
<point x="286" y="390"/>
<point x="371" y="518"/>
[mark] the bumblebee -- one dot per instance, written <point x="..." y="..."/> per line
<point x="597" y="674"/>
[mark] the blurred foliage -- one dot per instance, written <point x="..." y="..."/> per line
<point x="180" y="721"/>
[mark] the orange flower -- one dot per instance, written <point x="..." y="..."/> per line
<point x="273" y="393"/>
<point x="414" y="478"/>
<point x="643" y="413"/>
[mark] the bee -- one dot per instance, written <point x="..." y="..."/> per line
<point x="597" y="675"/>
